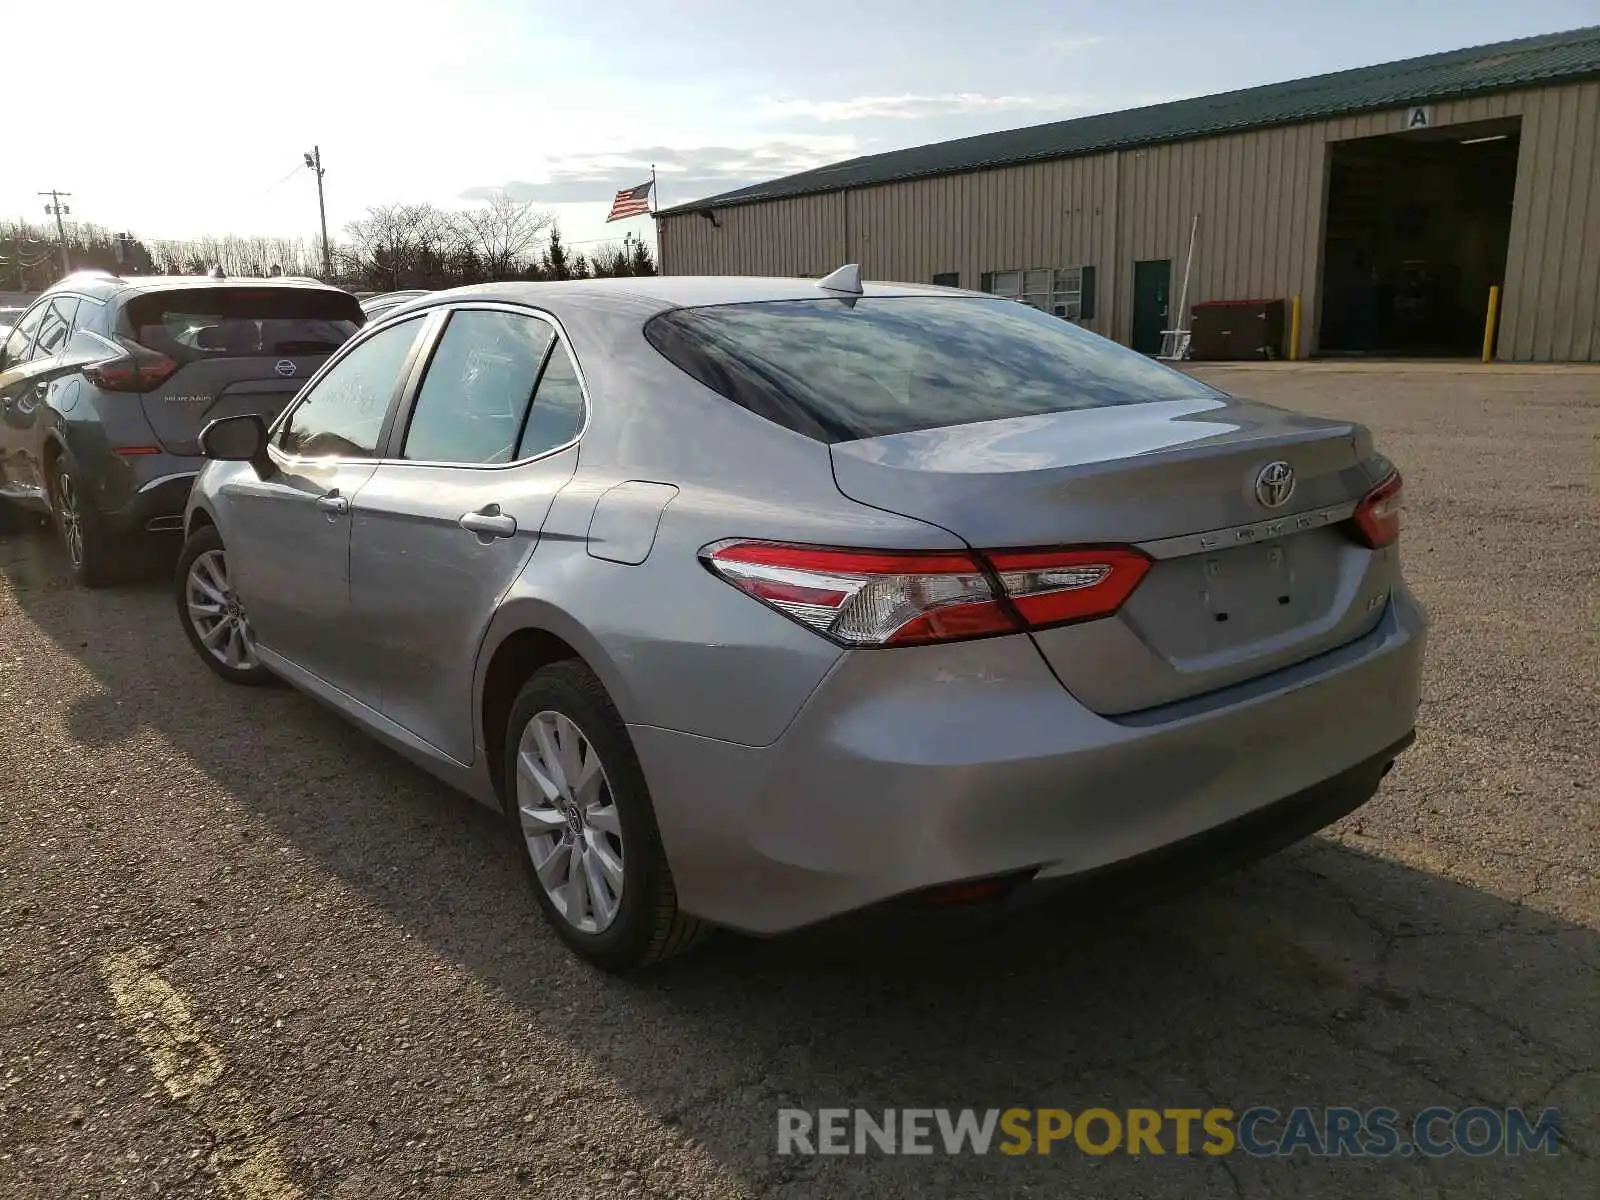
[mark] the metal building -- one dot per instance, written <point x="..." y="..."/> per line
<point x="1388" y="199"/>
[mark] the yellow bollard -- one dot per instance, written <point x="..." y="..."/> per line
<point x="1488" y="323"/>
<point x="1294" y="328"/>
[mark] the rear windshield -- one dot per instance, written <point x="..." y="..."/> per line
<point x="192" y="323"/>
<point x="838" y="370"/>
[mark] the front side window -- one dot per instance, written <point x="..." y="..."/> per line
<point x="474" y="398"/>
<point x="343" y="415"/>
<point x="840" y="370"/>
<point x="20" y="342"/>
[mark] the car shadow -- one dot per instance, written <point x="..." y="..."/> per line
<point x="1324" y="975"/>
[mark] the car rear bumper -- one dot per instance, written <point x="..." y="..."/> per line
<point x="908" y="769"/>
<point x="153" y="497"/>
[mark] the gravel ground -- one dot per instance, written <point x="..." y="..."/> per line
<point x="244" y="951"/>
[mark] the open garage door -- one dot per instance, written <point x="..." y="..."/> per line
<point x="1417" y="230"/>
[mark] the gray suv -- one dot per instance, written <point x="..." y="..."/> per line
<point x="105" y="383"/>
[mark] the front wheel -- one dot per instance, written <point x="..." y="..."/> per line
<point x="211" y="612"/>
<point x="582" y="816"/>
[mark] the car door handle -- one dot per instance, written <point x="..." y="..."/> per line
<point x="488" y="522"/>
<point x="333" y="503"/>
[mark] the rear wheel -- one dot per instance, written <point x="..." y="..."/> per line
<point x="583" y="819"/>
<point x="89" y="550"/>
<point x="211" y="612"/>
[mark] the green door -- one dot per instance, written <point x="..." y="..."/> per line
<point x="1151" y="282"/>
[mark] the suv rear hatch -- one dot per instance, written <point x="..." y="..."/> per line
<point x="1013" y="429"/>
<point x="236" y="348"/>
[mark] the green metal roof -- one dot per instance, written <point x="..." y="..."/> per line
<point x="1526" y="62"/>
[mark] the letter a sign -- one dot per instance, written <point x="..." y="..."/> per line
<point x="1418" y="118"/>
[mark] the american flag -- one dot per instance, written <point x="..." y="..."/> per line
<point x="631" y="202"/>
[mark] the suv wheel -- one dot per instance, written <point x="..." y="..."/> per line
<point x="583" y="818"/>
<point x="89" y="552"/>
<point x="211" y="612"/>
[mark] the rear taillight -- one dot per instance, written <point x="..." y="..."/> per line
<point x="1050" y="587"/>
<point x="136" y="369"/>
<point x="872" y="598"/>
<point x="1377" y="517"/>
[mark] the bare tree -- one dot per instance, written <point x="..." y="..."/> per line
<point x="503" y="233"/>
<point x="401" y="245"/>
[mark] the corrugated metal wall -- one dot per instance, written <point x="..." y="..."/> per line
<point x="1260" y="199"/>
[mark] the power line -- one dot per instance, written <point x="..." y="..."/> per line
<point x="283" y="181"/>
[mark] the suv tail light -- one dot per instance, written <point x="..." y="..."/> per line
<point x="1377" y="517"/>
<point x="877" y="598"/>
<point x="136" y="369"/>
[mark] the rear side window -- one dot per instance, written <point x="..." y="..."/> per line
<point x="473" y="400"/>
<point x="187" y="324"/>
<point x="55" y="327"/>
<point x="838" y="370"/>
<point x="557" y="407"/>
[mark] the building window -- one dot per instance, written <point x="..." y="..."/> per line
<point x="947" y="279"/>
<point x="1061" y="291"/>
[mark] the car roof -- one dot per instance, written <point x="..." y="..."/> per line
<point x="103" y="284"/>
<point x="648" y="294"/>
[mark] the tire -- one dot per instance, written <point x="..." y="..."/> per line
<point x="204" y="561"/>
<point x="91" y="556"/>
<point x="644" y="925"/>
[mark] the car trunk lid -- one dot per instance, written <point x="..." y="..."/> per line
<point x="1236" y="587"/>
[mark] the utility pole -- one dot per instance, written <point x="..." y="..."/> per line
<point x="314" y="161"/>
<point x="56" y="208"/>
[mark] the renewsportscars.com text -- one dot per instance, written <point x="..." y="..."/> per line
<point x="1259" y="1131"/>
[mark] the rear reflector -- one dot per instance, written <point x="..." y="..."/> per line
<point x="875" y="598"/>
<point x="1377" y="517"/>
<point x="137" y="450"/>
<point x="972" y="891"/>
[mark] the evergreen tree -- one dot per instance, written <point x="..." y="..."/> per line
<point x="556" y="264"/>
<point x="642" y="263"/>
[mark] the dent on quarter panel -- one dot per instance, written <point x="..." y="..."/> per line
<point x="623" y="527"/>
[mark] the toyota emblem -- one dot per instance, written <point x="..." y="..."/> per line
<point x="1275" y="484"/>
<point x="285" y="368"/>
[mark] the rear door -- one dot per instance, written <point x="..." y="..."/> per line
<point x="288" y="535"/>
<point x="239" y="349"/>
<point x="445" y="526"/>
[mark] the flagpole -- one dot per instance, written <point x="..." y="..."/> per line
<point x="655" y="192"/>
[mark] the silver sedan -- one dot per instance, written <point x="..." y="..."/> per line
<point x="759" y="603"/>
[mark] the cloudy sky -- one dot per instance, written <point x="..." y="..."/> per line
<point x="174" y="118"/>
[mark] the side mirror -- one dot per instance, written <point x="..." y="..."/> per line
<point x="237" y="439"/>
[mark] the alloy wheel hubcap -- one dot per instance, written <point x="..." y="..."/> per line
<point x="218" y="613"/>
<point x="570" y="821"/>
<point x="71" y="522"/>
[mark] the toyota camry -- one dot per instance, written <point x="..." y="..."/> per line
<point x="761" y="603"/>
